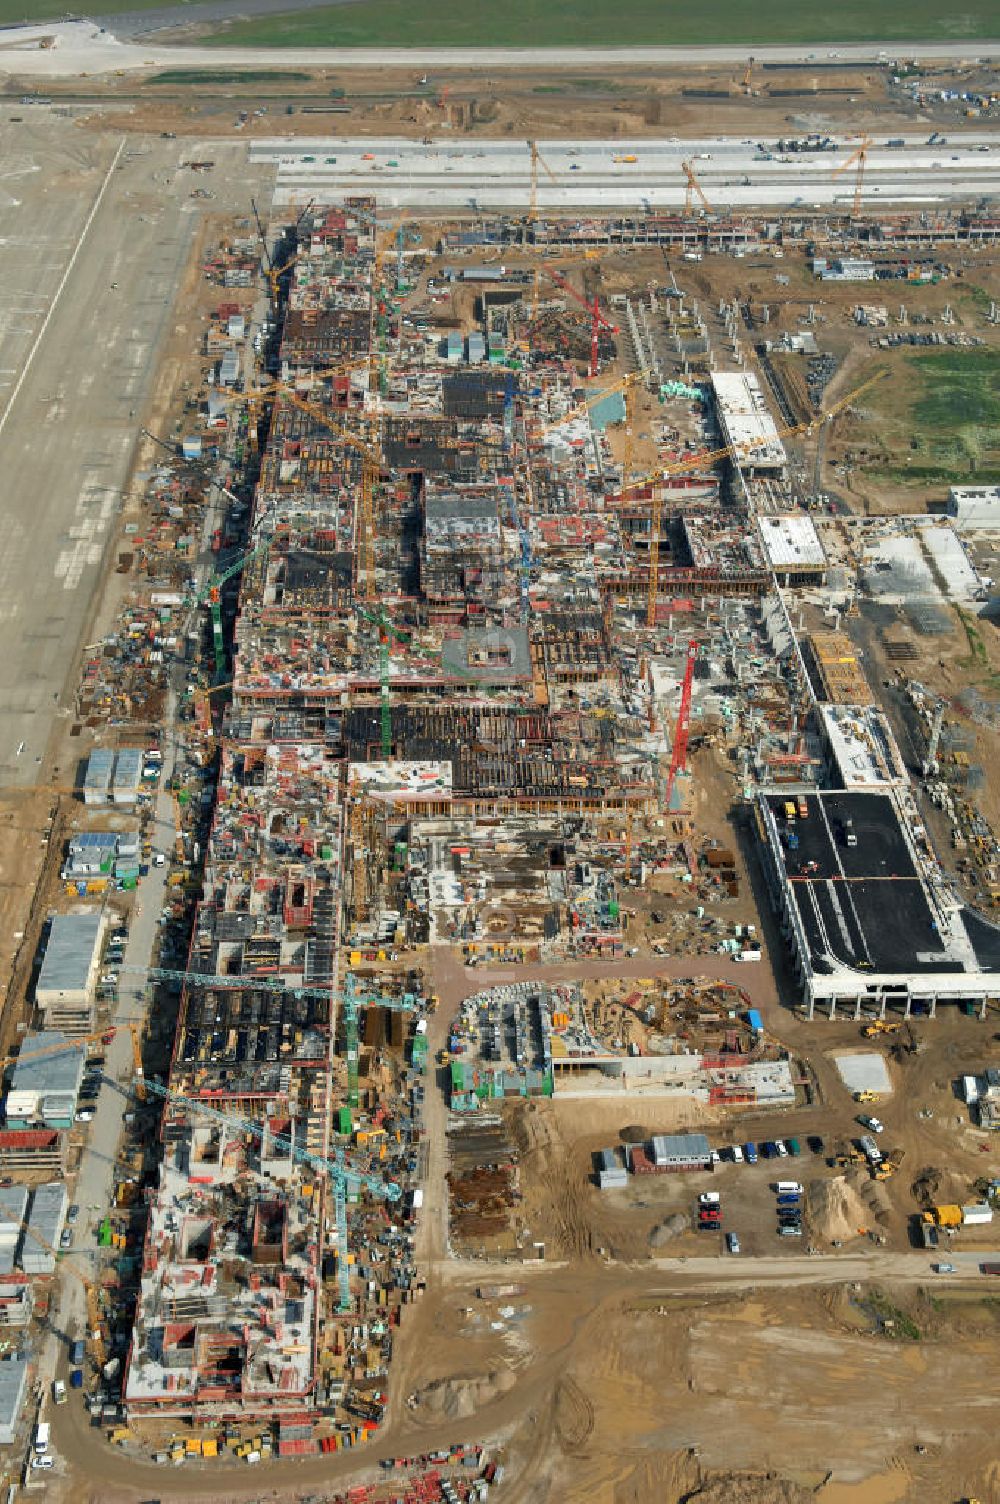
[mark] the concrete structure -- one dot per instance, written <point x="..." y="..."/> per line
<point x="13" y="1388"/>
<point x="863" y="752"/>
<point x="746" y="422"/>
<point x="68" y="977"/>
<point x="975" y="507"/>
<point x="870" y="922"/>
<point x="792" y="546"/>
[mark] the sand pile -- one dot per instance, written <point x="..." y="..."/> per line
<point x="836" y="1212"/>
<point x="455" y="1399"/>
<point x="668" y="1229"/>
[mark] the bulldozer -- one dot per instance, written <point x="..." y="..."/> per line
<point x="879" y="1026"/>
<point x="890" y="1165"/>
<point x="867" y="1096"/>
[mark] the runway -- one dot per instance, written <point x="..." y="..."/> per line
<point x="641" y="177"/>
<point x="94" y="240"/>
<point x="82" y="47"/>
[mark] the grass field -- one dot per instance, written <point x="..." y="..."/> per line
<point x="595" y="23"/>
<point x="33" y="11"/>
<point x="947" y="425"/>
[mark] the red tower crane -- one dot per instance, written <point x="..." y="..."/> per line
<point x="678" y="761"/>
<point x="597" y="319"/>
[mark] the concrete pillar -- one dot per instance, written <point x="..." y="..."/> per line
<point x="857" y="1007"/>
<point x="933" y="1011"/>
<point x="833" y="1007"/>
<point x="881" y="1006"/>
<point x="982" y="1009"/>
<point x="906" y="1011"/>
<point x="811" y="1006"/>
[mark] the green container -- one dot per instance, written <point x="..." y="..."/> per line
<point x="344" y="1120"/>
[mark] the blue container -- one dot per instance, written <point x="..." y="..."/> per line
<point x="76" y="1378"/>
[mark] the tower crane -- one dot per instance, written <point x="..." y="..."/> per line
<point x="693" y="187"/>
<point x="249" y="982"/>
<point x="371" y="470"/>
<point x="337" y="1169"/>
<point x="709" y="457"/>
<point x="678" y="758"/>
<point x="536" y="161"/>
<point x="858" y="158"/>
<point x="597" y="319"/>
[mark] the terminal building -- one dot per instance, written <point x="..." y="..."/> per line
<point x="871" y="924"/>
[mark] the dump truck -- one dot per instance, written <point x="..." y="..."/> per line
<point x="944" y="1216"/>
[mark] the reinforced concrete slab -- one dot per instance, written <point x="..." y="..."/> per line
<point x="864" y="1071"/>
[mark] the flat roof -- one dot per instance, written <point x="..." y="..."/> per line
<point x="13" y="1378"/>
<point x="862" y="746"/>
<point x="58" y="1069"/>
<point x="69" y="954"/>
<point x="406" y="781"/>
<point x="866" y="907"/>
<point x="746" y="420"/>
<point x="792" y="543"/>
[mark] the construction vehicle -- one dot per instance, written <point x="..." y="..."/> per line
<point x="879" y="1026"/>
<point x="943" y="1216"/>
<point x="890" y="1165"/>
<point x="867" y="1096"/>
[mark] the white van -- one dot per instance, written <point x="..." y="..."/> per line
<point x="788" y="1188"/>
<point x="42" y="1433"/>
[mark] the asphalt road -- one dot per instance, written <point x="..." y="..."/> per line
<point x="638" y="176"/>
<point x="82" y="47"/>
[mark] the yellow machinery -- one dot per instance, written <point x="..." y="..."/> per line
<point x="857" y="158"/>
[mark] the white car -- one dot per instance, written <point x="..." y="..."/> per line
<point x="737" y="1153"/>
<point x="874" y="1124"/>
<point x="41" y="1462"/>
<point x="709" y="1198"/>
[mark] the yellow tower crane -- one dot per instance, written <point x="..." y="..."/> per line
<point x="858" y="158"/>
<point x="709" y="457"/>
<point x="693" y="187"/>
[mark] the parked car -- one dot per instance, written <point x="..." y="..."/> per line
<point x="943" y="1268"/>
<point x="750" y="1150"/>
<point x="768" y="1149"/>
<point x="709" y="1198"/>
<point x="732" y="1242"/>
<point x="72" y="1214"/>
<point x="84" y="1115"/>
<point x="41" y="1462"/>
<point x="66" y="1238"/>
<point x="737" y="1154"/>
<point x="59" y="1395"/>
<point x="781" y="1148"/>
<point x="815" y="1143"/>
<point x="790" y="1231"/>
<point x="874" y="1125"/>
<point x="794" y="1147"/>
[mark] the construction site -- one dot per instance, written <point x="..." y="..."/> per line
<point x="503" y="930"/>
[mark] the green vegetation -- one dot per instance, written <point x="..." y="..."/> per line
<point x="949" y="424"/>
<point x="888" y="1319"/>
<point x="597" y="23"/>
<point x="977" y="647"/>
<point x="227" y="76"/>
<point x="33" y="11"/>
